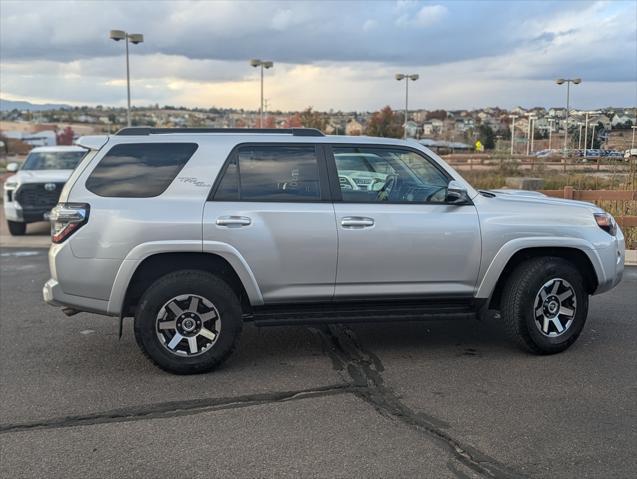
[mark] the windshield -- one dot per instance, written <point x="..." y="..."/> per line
<point x="53" y="160"/>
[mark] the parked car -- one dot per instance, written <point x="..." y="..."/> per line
<point x="630" y="153"/>
<point x="192" y="232"/>
<point x="33" y="191"/>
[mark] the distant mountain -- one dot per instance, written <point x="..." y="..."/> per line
<point x="8" y="105"/>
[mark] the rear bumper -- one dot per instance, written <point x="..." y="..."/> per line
<point x="53" y="295"/>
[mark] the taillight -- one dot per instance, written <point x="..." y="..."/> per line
<point x="606" y="222"/>
<point x="66" y="218"/>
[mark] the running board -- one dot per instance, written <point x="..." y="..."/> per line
<point x="360" y="312"/>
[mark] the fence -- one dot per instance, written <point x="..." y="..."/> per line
<point x="471" y="161"/>
<point x="620" y="199"/>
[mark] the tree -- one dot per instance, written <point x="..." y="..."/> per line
<point x="65" y="137"/>
<point x="486" y="137"/>
<point x="313" y="119"/>
<point x="295" y="121"/>
<point x="437" y="115"/>
<point x="269" y="122"/>
<point x="386" y="123"/>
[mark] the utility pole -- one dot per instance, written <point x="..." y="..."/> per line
<point x="513" y="117"/>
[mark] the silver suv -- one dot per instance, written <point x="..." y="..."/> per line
<point x="194" y="231"/>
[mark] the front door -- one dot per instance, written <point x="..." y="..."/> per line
<point x="396" y="235"/>
<point x="272" y="206"/>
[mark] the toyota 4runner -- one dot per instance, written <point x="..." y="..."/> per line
<point x="194" y="231"/>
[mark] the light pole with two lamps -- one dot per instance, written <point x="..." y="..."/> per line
<point x="406" y="77"/>
<point x="568" y="81"/>
<point x="255" y="62"/>
<point x="134" y="38"/>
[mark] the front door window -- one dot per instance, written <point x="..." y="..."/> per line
<point x="369" y="175"/>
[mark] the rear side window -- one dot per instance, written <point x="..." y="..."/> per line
<point x="271" y="173"/>
<point x="139" y="170"/>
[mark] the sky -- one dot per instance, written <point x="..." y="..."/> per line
<point x="339" y="55"/>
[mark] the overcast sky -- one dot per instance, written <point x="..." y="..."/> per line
<point x="340" y="55"/>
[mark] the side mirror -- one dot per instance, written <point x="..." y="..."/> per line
<point x="456" y="193"/>
<point x="13" y="167"/>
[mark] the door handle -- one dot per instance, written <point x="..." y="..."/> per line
<point x="233" y="221"/>
<point x="357" y="222"/>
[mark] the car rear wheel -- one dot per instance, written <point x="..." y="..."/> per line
<point x="545" y="305"/>
<point x="16" y="228"/>
<point x="188" y="322"/>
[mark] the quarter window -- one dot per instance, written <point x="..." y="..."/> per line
<point x="139" y="170"/>
<point x="388" y="175"/>
<point x="271" y="173"/>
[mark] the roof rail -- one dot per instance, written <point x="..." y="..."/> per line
<point x="144" y="130"/>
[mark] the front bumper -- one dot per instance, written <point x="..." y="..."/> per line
<point x="612" y="260"/>
<point x="14" y="211"/>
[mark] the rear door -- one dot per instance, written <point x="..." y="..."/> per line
<point x="272" y="205"/>
<point x="397" y="236"/>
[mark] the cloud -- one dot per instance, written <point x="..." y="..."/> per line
<point x="426" y="16"/>
<point x="282" y="19"/>
<point x="328" y="54"/>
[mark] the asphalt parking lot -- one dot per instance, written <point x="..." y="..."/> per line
<point x="435" y="399"/>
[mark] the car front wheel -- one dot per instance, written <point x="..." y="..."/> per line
<point x="188" y="322"/>
<point x="545" y="305"/>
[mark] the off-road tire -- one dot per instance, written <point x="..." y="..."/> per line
<point x="16" y="228"/>
<point x="517" y="305"/>
<point x="174" y="284"/>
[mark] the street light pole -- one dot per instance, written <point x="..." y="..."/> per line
<point x="528" y="135"/>
<point x="255" y="62"/>
<point x="568" y="81"/>
<point x="134" y="38"/>
<point x="513" y="117"/>
<point x="585" y="135"/>
<point x="532" y="132"/>
<point x="406" y="77"/>
<point x="579" y="137"/>
<point x="632" y="143"/>
<point x="551" y="120"/>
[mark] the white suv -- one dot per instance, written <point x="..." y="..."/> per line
<point x="194" y="231"/>
<point x="30" y="194"/>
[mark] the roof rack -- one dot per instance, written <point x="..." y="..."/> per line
<point x="144" y="130"/>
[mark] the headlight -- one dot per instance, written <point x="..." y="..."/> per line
<point x="606" y="222"/>
<point x="11" y="185"/>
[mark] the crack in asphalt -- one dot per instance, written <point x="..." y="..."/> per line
<point x="361" y="372"/>
<point x="177" y="408"/>
<point x="364" y="372"/>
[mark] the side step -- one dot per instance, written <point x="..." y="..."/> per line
<point x="360" y="312"/>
